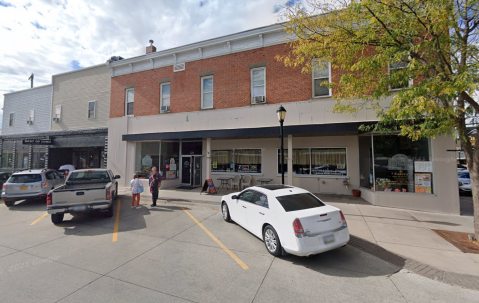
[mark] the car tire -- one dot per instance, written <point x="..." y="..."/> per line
<point x="109" y="212"/>
<point x="9" y="203"/>
<point x="226" y="212"/>
<point x="57" y="218"/>
<point x="271" y="241"/>
<point x="116" y="193"/>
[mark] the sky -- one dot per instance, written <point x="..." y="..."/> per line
<point x="48" y="37"/>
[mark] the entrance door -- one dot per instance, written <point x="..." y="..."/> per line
<point x="191" y="170"/>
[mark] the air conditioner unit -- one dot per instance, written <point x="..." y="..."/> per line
<point x="165" y="108"/>
<point x="55" y="119"/>
<point x="258" y="100"/>
<point x="29" y="122"/>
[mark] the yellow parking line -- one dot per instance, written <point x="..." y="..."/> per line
<point x="41" y="217"/>
<point x="232" y="255"/>
<point x="117" y="222"/>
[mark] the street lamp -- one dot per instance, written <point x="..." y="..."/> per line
<point x="281" y="116"/>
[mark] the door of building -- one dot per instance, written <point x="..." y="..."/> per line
<point x="191" y="170"/>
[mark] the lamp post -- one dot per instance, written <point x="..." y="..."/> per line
<point x="281" y="116"/>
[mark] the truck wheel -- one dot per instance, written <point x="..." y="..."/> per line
<point x="9" y="203"/>
<point x="116" y="193"/>
<point x="109" y="211"/>
<point x="57" y="218"/>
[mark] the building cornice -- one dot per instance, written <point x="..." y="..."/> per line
<point x="234" y="43"/>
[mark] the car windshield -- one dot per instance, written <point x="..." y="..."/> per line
<point x="463" y="175"/>
<point x="299" y="202"/>
<point x="89" y="176"/>
<point x="30" y="178"/>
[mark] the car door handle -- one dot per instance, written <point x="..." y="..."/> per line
<point x="244" y="206"/>
<point x="261" y="213"/>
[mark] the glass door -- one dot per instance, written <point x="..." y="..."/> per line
<point x="186" y="169"/>
<point x="197" y="171"/>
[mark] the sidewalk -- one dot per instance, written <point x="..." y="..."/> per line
<point x="405" y="233"/>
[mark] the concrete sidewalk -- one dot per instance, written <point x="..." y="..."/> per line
<point x="405" y="233"/>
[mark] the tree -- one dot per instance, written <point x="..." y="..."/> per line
<point x="432" y="43"/>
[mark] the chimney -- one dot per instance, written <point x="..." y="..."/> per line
<point x="150" y="49"/>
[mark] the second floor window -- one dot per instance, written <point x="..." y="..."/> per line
<point x="10" y="121"/>
<point x="399" y="79"/>
<point x="130" y="99"/>
<point x="321" y="79"/>
<point x="165" y="97"/>
<point x="258" y="84"/>
<point x="91" y="110"/>
<point x="207" y="92"/>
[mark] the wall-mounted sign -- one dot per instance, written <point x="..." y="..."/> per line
<point x="37" y="141"/>
<point x="423" y="166"/>
<point x="423" y="183"/>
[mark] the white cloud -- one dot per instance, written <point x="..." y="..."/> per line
<point x="47" y="37"/>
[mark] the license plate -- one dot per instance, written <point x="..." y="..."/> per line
<point x="328" y="239"/>
<point x="23" y="187"/>
<point x="79" y="208"/>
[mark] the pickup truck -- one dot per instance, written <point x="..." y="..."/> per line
<point x="84" y="191"/>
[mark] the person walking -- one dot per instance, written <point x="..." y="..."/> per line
<point x="154" y="189"/>
<point x="136" y="188"/>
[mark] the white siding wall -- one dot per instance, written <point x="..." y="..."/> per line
<point x="74" y="90"/>
<point x="20" y="103"/>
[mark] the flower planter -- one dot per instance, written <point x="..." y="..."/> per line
<point x="356" y="193"/>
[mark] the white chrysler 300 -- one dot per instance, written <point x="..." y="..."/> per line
<point x="287" y="218"/>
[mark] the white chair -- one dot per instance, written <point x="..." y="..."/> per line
<point x="246" y="181"/>
<point x="236" y="182"/>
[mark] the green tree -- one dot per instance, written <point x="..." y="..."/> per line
<point x="377" y="45"/>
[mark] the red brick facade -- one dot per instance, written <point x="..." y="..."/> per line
<point x="231" y="83"/>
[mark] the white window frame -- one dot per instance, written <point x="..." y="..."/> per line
<point x="409" y="84"/>
<point x="161" y="93"/>
<point x="31" y="115"/>
<point x="202" y="93"/>
<point x="10" y="119"/>
<point x="94" y="110"/>
<point x="126" y="101"/>
<point x="234" y="163"/>
<point x="251" y="81"/>
<point x="312" y="80"/>
<point x="58" y="112"/>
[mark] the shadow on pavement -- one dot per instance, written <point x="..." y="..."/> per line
<point x="29" y="205"/>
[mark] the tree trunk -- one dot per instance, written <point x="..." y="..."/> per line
<point x="472" y="157"/>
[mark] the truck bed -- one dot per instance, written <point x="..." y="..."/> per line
<point x="88" y="186"/>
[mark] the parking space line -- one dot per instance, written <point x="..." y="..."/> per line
<point x="232" y="255"/>
<point x="117" y="222"/>
<point x="41" y="217"/>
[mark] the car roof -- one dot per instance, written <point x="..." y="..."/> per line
<point x="278" y="190"/>
<point x="31" y="171"/>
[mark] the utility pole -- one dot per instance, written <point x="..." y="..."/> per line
<point x="31" y="80"/>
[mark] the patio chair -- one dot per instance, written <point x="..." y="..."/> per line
<point x="236" y="182"/>
<point x="246" y="181"/>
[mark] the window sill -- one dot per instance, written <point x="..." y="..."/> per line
<point x="255" y="104"/>
<point x="402" y="193"/>
<point x="322" y="97"/>
<point x="209" y="108"/>
<point x="317" y="176"/>
<point x="233" y="173"/>
<point x="165" y="112"/>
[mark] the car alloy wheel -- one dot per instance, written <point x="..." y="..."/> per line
<point x="225" y="211"/>
<point x="270" y="241"/>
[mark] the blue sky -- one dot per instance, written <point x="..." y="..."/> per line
<point x="47" y="37"/>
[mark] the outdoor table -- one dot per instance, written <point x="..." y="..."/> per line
<point x="264" y="180"/>
<point x="224" y="182"/>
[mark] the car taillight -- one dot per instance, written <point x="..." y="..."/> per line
<point x="66" y="173"/>
<point x="298" y="228"/>
<point x="4" y="186"/>
<point x="49" y="199"/>
<point x="108" y="194"/>
<point x="44" y="184"/>
<point x="343" y="219"/>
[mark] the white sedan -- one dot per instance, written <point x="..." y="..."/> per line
<point x="288" y="219"/>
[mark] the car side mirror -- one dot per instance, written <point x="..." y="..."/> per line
<point x="235" y="197"/>
<point x="117" y="177"/>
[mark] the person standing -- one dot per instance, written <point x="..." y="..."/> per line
<point x="154" y="190"/>
<point x="136" y="188"/>
<point x="154" y="172"/>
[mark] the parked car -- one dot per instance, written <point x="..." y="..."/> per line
<point x="30" y="184"/>
<point x="287" y="218"/>
<point x="4" y="177"/>
<point x="464" y="180"/>
<point x="64" y="170"/>
<point x="84" y="191"/>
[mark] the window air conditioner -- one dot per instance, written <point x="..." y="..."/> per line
<point x="258" y="99"/>
<point x="165" y="108"/>
<point x="29" y="122"/>
<point x="55" y="119"/>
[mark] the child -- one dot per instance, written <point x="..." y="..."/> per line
<point x="155" y="183"/>
<point x="135" y="186"/>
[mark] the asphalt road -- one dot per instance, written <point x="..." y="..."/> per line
<point x="184" y="254"/>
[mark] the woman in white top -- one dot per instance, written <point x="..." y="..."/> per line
<point x="135" y="184"/>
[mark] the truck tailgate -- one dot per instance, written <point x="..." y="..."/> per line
<point x="78" y="196"/>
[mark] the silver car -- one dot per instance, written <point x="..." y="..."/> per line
<point x="30" y="184"/>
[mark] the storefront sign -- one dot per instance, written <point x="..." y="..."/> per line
<point x="423" y="166"/>
<point x="37" y="141"/>
<point x="208" y="186"/>
<point x="423" y="183"/>
<point x="399" y="162"/>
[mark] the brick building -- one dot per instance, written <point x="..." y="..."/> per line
<point x="208" y="110"/>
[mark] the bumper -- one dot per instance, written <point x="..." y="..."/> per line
<point x="37" y="195"/>
<point x="66" y="209"/>
<point x="311" y="245"/>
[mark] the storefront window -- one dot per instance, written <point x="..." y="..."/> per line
<point x="21" y="160"/>
<point x="38" y="158"/>
<point x="7" y="158"/>
<point x="402" y="165"/>
<point x="170" y="157"/>
<point x="328" y="161"/>
<point x="247" y="160"/>
<point x="222" y="161"/>
<point x="147" y="156"/>
<point x="366" y="174"/>
<point x="301" y="161"/>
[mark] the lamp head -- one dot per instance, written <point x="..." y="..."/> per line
<point x="281" y="113"/>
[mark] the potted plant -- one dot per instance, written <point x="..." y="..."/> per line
<point x="356" y="193"/>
